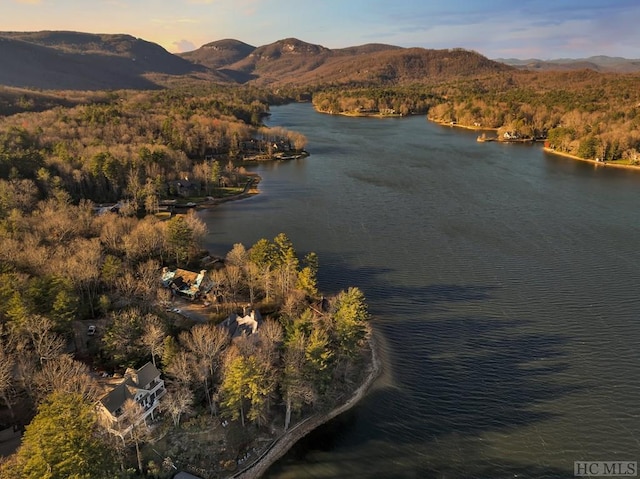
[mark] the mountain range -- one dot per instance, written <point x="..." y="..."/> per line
<point x="85" y="61"/>
<point x="599" y="63"/>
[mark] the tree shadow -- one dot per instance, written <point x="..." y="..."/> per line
<point x="457" y="378"/>
<point x="338" y="276"/>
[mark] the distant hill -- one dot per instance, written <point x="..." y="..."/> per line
<point x="219" y="54"/>
<point x="600" y="63"/>
<point x="292" y="61"/>
<point x="72" y="60"/>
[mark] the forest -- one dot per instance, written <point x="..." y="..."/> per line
<point x="583" y="113"/>
<point x="66" y="263"/>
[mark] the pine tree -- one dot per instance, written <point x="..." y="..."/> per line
<point x="62" y="442"/>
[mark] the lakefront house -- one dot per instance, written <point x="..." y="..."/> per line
<point x="144" y="386"/>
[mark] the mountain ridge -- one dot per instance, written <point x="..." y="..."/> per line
<point x="52" y="59"/>
<point x="600" y="63"/>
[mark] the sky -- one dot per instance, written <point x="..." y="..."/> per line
<point x="522" y="29"/>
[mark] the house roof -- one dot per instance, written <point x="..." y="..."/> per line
<point x="133" y="381"/>
<point x="146" y="374"/>
<point x="117" y="397"/>
<point x="239" y="325"/>
<point x="188" y="282"/>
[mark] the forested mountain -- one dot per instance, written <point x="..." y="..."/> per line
<point x="292" y="61"/>
<point x="219" y="54"/>
<point x="83" y="61"/>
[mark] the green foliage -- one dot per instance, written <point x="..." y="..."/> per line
<point x="62" y="442"/>
<point x="407" y="100"/>
<point x="88" y="148"/>
<point x="121" y="339"/>
<point x="560" y="138"/>
<point x="65" y="308"/>
<point x="180" y="239"/>
<point x="587" y="148"/>
<point x="319" y="357"/>
<point x="262" y="253"/>
<point x="349" y="316"/>
<point x="247" y="385"/>
<point x="170" y="349"/>
<point x="307" y="281"/>
<point x="20" y="152"/>
<point x="111" y="269"/>
<point x="299" y="326"/>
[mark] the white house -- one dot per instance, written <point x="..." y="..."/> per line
<point x="246" y="325"/>
<point x="144" y="385"/>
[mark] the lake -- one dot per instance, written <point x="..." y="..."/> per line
<point x="503" y="282"/>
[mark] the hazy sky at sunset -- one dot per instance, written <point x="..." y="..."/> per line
<point x="495" y="28"/>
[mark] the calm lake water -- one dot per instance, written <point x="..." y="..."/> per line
<point x="504" y="286"/>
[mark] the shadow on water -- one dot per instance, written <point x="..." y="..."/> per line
<point x="460" y="377"/>
<point x="371" y="280"/>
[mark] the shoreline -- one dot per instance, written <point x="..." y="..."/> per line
<point x="546" y="149"/>
<point x="366" y="115"/>
<point x="551" y="151"/>
<point x="458" y="125"/>
<point x="284" y="443"/>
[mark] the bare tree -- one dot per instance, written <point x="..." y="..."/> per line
<point x="46" y="344"/>
<point x="64" y="374"/>
<point x="153" y="335"/>
<point x="7" y="363"/>
<point x="270" y="341"/>
<point x="163" y="296"/>
<point x="206" y="342"/>
<point x="85" y="264"/>
<point x="233" y="280"/>
<point x="253" y="279"/>
<point x="177" y="401"/>
<point x="238" y="256"/>
<point x="180" y="368"/>
<point x="131" y="412"/>
<point x="147" y="274"/>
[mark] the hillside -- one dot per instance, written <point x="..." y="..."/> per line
<point x="292" y="61"/>
<point x="82" y="61"/>
<point x="219" y="54"/>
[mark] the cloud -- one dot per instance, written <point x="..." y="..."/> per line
<point x="170" y="22"/>
<point x="183" y="46"/>
<point x="248" y="7"/>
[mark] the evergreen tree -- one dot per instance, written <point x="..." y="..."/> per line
<point x="62" y="442"/>
<point x="349" y="316"/>
<point x="180" y="238"/>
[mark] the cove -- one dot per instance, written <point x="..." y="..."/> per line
<point x="503" y="285"/>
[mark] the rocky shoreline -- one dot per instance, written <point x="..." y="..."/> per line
<point x="286" y="441"/>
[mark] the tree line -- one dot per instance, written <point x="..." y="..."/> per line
<point x="137" y="144"/>
<point x="584" y="113"/>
